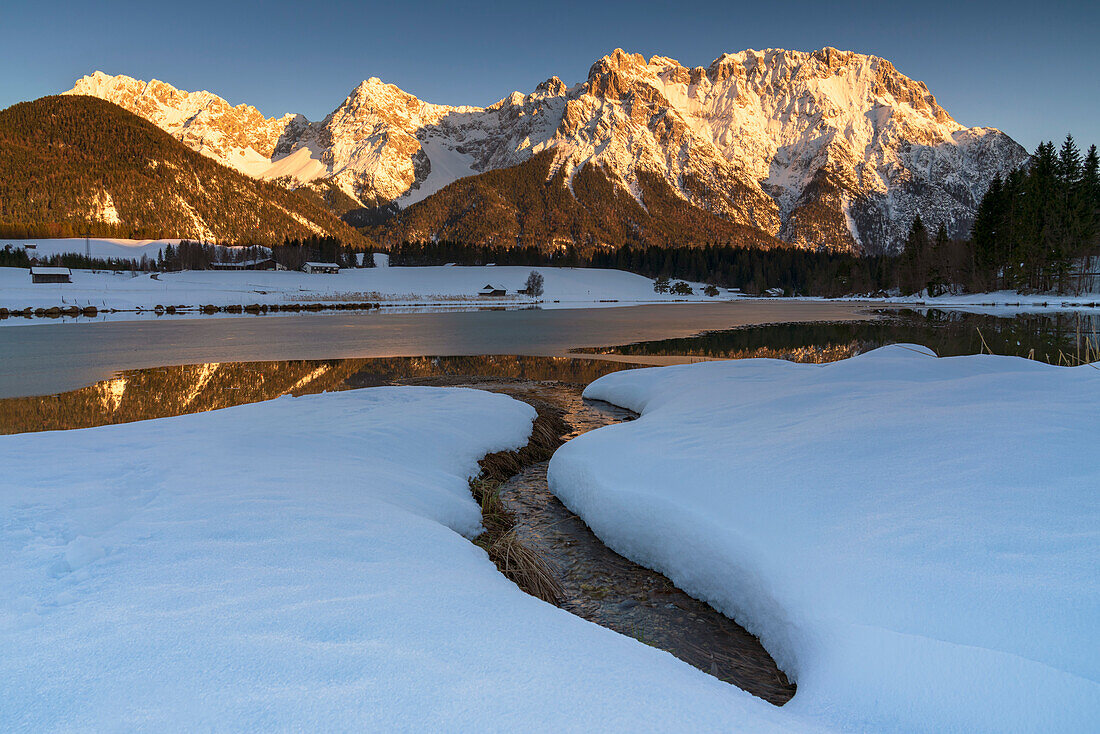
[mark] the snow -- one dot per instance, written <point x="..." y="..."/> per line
<point x="915" y="540"/>
<point x="303" y="164"/>
<point x="96" y="247"/>
<point x="448" y="165"/>
<point x="432" y="286"/>
<point x="39" y="270"/>
<point x="105" y="209"/>
<point x="251" y="163"/>
<point x="190" y="573"/>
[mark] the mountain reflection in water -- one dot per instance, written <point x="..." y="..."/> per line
<point x="135" y="395"/>
<point x="132" y="395"/>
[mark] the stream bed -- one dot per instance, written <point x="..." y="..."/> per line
<point x="604" y="587"/>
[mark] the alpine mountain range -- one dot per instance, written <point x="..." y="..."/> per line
<point x="826" y="149"/>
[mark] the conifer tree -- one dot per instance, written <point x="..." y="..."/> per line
<point x="940" y="270"/>
<point x="988" y="238"/>
<point x="914" y="267"/>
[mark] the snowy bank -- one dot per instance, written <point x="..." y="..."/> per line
<point x="1003" y="301"/>
<point x="915" y="540"/>
<point x="302" y="564"/>
<point x="393" y="286"/>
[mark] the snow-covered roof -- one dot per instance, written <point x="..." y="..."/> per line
<point x="322" y="265"/>
<point x="39" y="270"/>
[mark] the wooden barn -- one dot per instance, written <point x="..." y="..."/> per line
<point x="491" y="290"/>
<point x="40" y="274"/>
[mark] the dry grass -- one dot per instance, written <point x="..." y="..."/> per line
<point x="493" y="515"/>
<point x="545" y="438"/>
<point x="517" y="562"/>
<point x="524" y="567"/>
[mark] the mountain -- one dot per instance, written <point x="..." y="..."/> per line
<point x="79" y="163"/>
<point x="829" y="149"/>
<point x="538" y="202"/>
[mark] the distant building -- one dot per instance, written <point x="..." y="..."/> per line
<point x="266" y="263"/>
<point x="331" y="268"/>
<point x="41" y="274"/>
<point x="491" y="290"/>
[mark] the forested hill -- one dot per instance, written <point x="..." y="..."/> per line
<point x="81" y="166"/>
<point x="528" y="205"/>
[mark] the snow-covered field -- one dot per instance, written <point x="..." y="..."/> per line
<point x="400" y="287"/>
<point x="99" y="248"/>
<point x="915" y="540"/>
<point x="432" y="286"/>
<point x="302" y="564"/>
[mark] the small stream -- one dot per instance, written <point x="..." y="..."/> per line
<point x="608" y="589"/>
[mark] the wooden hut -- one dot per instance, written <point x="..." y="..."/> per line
<point x="40" y="274"/>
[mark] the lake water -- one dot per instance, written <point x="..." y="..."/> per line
<point x="48" y="358"/>
<point x="74" y="376"/>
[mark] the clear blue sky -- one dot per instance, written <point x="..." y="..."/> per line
<point x="1031" y="69"/>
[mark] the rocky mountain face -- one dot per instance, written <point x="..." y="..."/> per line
<point x="828" y="149"/>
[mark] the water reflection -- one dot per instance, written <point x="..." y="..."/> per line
<point x="166" y="391"/>
<point x="136" y="395"/>
<point x="1061" y="338"/>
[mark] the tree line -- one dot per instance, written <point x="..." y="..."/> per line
<point x="1036" y="230"/>
<point x="753" y="269"/>
<point x="292" y="254"/>
<point x="16" y="257"/>
<point x="189" y="255"/>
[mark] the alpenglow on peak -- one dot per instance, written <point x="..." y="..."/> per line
<point x="825" y="149"/>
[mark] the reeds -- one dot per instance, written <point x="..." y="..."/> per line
<point x="524" y="567"/>
<point x="1086" y="351"/>
<point x="517" y="562"/>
